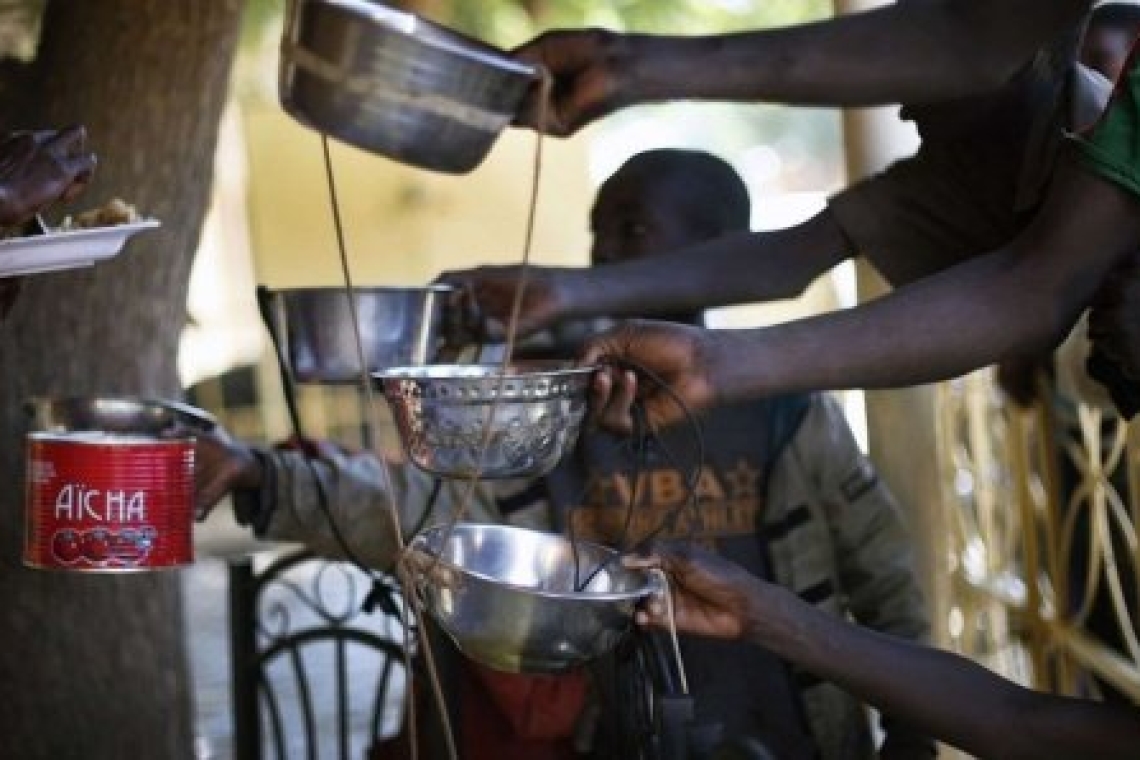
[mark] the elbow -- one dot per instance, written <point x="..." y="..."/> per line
<point x="1041" y="318"/>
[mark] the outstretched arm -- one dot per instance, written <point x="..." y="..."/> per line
<point x="952" y="698"/>
<point x="909" y="52"/>
<point x="741" y="268"/>
<point x="336" y="502"/>
<point x="1016" y="300"/>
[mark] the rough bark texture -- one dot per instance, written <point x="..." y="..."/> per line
<point x="93" y="666"/>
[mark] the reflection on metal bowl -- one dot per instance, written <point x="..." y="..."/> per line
<point x="398" y="327"/>
<point x="394" y="84"/>
<point x="474" y="420"/>
<point x="507" y="596"/>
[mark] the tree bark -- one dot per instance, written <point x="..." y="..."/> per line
<point x="93" y="665"/>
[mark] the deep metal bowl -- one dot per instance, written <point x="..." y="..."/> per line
<point x="474" y="420"/>
<point x="398" y="327"/>
<point x="508" y="596"/>
<point x="122" y="415"/>
<point x="394" y="84"/>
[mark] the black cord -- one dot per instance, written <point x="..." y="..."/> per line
<point x="645" y="433"/>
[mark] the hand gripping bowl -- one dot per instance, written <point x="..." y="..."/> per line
<point x="507" y="596"/>
<point x="394" y="84"/>
<point x="474" y="420"/>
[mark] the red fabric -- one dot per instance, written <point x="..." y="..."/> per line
<point x="311" y="448"/>
<point x="509" y="716"/>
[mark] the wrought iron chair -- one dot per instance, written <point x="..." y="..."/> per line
<point x="313" y="675"/>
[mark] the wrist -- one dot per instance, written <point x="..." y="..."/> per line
<point x="728" y="370"/>
<point x="580" y="293"/>
<point x="251" y="476"/>
<point x="775" y="618"/>
<point x="254" y="503"/>
<point x="640" y="66"/>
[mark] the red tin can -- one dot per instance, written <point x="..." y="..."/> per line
<point x="107" y="502"/>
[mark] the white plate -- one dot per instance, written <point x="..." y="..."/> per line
<point x="55" y="251"/>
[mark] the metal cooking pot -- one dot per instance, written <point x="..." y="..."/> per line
<point x="513" y="599"/>
<point x="107" y="414"/>
<point x="313" y="329"/>
<point x="392" y="83"/>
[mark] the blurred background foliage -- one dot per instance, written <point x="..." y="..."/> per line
<point x="503" y="22"/>
<point x="510" y="22"/>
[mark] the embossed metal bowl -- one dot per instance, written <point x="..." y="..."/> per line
<point x="474" y="420"/>
<point x="508" y="596"/>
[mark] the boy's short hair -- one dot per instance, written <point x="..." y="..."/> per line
<point x="713" y="194"/>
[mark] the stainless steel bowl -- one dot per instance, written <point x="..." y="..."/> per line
<point x="124" y="415"/>
<point x="398" y="327"/>
<point x="508" y="596"/>
<point x="392" y="83"/>
<point x="474" y="420"/>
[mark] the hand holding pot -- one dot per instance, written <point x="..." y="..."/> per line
<point x="484" y="298"/>
<point x="586" y="83"/>
<point x="710" y="595"/>
<point x="665" y="367"/>
<point x="221" y="464"/>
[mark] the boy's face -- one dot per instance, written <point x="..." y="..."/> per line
<point x="631" y="220"/>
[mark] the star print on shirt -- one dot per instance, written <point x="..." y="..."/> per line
<point x="743" y="480"/>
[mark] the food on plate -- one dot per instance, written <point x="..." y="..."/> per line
<point x="115" y="211"/>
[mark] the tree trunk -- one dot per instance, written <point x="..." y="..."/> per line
<point x="93" y="665"/>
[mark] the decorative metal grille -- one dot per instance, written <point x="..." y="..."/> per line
<point x="1044" y="507"/>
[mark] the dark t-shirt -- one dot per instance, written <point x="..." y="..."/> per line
<point x="976" y="179"/>
<point x="739" y="690"/>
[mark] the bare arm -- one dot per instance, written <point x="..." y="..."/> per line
<point x="1012" y="302"/>
<point x="917" y="51"/>
<point x="951" y="698"/>
<point x="758" y="266"/>
<point x="1016" y="300"/>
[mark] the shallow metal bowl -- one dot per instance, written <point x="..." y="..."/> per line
<point x="395" y="84"/>
<point x="508" y="596"/>
<point x="149" y="417"/>
<point x="474" y="420"/>
<point x="398" y="327"/>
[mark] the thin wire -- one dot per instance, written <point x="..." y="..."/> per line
<point x="671" y="617"/>
<point x="639" y="445"/>
<point x="690" y="502"/>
